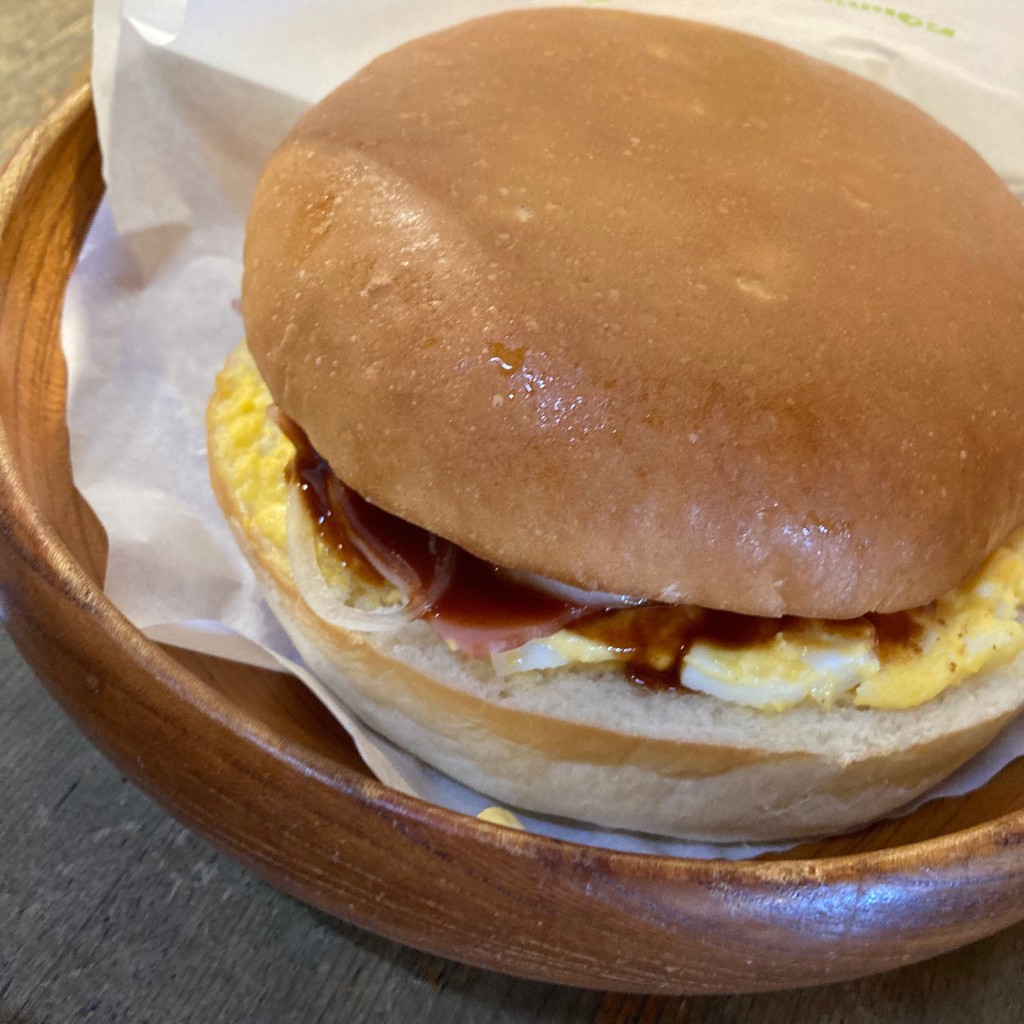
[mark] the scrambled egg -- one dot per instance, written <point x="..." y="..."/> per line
<point x="252" y="454"/>
<point x="501" y="816"/>
<point x="976" y="626"/>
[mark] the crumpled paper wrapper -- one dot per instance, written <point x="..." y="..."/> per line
<point x="191" y="98"/>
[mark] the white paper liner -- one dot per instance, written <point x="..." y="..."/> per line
<point x="191" y="98"/>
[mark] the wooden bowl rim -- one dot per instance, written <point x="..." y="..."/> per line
<point x="24" y="520"/>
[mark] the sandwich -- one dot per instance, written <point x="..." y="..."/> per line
<point x="629" y="423"/>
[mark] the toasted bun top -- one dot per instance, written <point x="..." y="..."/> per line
<point x="653" y="307"/>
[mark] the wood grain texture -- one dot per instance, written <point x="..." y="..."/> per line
<point x="246" y="764"/>
<point x="113" y="912"/>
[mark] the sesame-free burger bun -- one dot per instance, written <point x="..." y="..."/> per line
<point x="651" y="307"/>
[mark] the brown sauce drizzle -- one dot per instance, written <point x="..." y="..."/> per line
<point x="480" y="609"/>
<point x="362" y="536"/>
<point x="895" y="632"/>
<point x="479" y="593"/>
<point x="656" y="637"/>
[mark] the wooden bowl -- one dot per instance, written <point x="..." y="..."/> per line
<point x="251" y="762"/>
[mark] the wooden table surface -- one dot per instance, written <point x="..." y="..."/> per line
<point x="111" y="911"/>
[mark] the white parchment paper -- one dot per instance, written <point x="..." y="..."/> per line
<point x="191" y="97"/>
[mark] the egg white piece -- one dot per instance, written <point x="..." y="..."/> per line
<point x="814" y="662"/>
<point x="555" y="651"/>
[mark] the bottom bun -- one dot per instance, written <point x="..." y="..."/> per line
<point x="587" y="745"/>
<point x="583" y="743"/>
